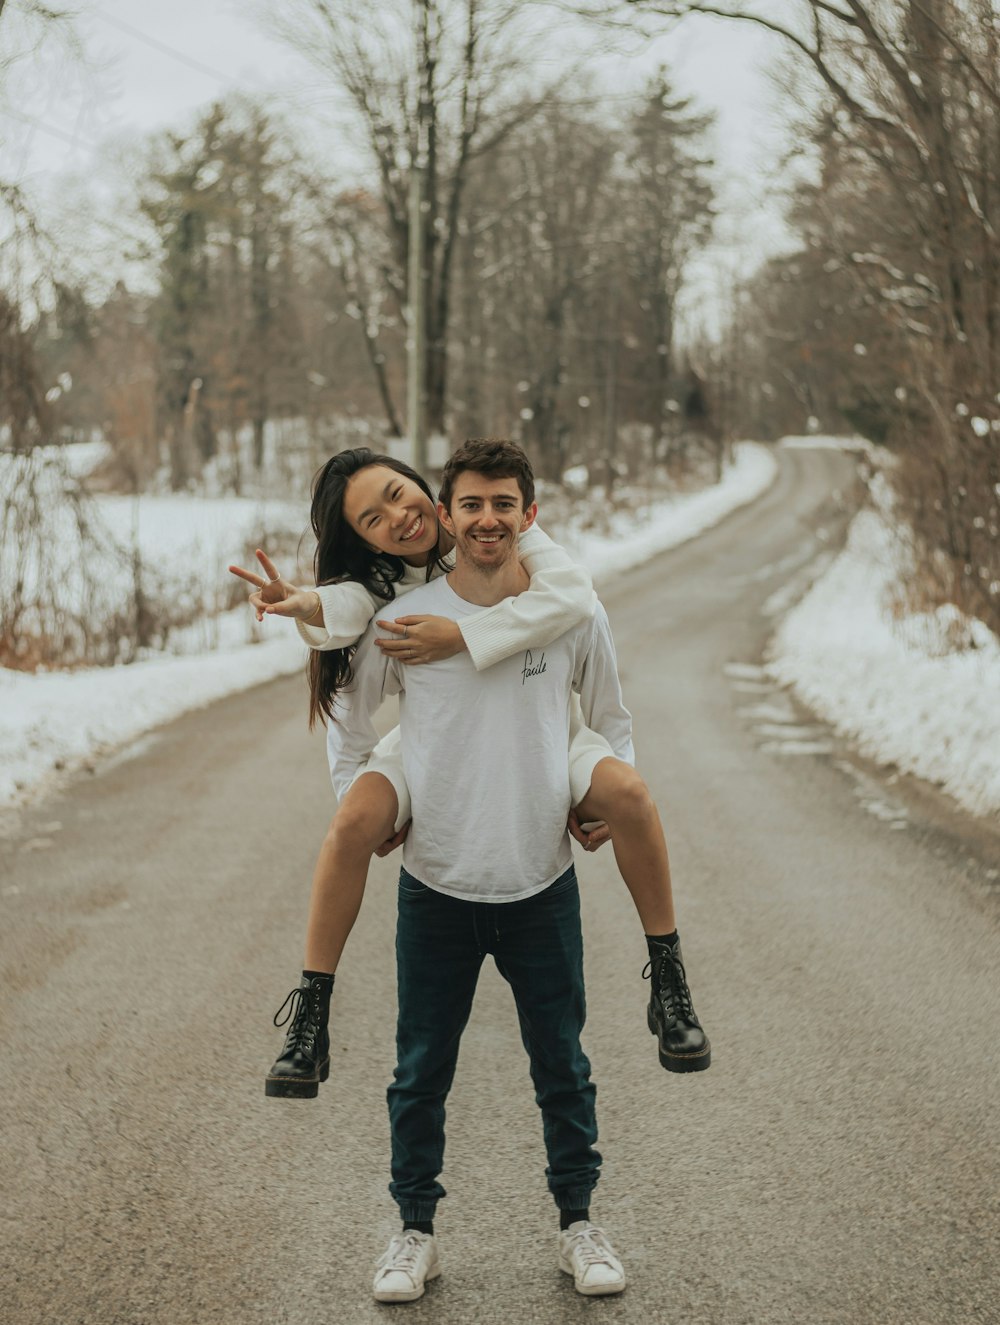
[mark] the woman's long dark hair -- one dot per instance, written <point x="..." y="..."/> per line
<point x="342" y="554"/>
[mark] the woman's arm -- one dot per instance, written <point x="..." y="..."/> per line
<point x="351" y="736"/>
<point x="561" y="595"/>
<point x="347" y="610"/>
<point x="331" y="616"/>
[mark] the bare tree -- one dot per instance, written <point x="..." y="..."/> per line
<point x="540" y="229"/>
<point x="669" y="216"/>
<point x="464" y="62"/>
<point x="27" y="257"/>
<point x="576" y="240"/>
<point x="911" y="93"/>
<point x="349" y="239"/>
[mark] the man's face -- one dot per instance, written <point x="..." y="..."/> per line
<point x="486" y="516"/>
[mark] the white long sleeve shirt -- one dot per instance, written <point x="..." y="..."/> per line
<point x="484" y="755"/>
<point x="561" y="594"/>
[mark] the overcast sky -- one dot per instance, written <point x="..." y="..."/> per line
<point x="155" y="62"/>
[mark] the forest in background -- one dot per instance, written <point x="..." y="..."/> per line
<point x="265" y="294"/>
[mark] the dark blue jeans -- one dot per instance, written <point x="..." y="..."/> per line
<point x="538" y="949"/>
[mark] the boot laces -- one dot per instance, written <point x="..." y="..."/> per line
<point x="303" y="1013"/>
<point x="670" y="984"/>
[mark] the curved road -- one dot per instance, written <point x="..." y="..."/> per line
<point x="837" y="1164"/>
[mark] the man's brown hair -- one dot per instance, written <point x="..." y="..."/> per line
<point x="495" y="457"/>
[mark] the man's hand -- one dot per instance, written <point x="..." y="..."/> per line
<point x="421" y="639"/>
<point x="279" y="597"/>
<point x="397" y="840"/>
<point x="599" y="834"/>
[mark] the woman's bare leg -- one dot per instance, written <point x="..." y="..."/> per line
<point x="620" y="797"/>
<point x="364" y="820"/>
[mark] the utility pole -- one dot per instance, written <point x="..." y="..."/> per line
<point x="611" y="382"/>
<point x="416" y="363"/>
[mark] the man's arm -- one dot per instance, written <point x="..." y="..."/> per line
<point x="351" y="735"/>
<point x="561" y="596"/>
<point x="600" y="689"/>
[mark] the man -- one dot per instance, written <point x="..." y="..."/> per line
<point x="487" y="864"/>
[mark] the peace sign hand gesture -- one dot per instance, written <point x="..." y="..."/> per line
<point x="274" y="596"/>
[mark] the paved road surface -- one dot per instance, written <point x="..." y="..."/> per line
<point x="837" y="1164"/>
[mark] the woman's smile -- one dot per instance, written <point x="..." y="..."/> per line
<point x="413" y="530"/>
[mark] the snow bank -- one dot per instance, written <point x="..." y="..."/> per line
<point x="890" y="684"/>
<point x="823" y="442"/>
<point x="63" y="719"/>
<point x="195" y="536"/>
<point x="74" y="565"/>
<point x="634" y="536"/>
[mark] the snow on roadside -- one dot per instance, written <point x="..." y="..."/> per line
<point x="890" y="684"/>
<point x="59" y="720"/>
<point x="63" y="719"/>
<point x="192" y="537"/>
<point x="634" y="537"/>
<point x="72" y="563"/>
<point x="822" y="442"/>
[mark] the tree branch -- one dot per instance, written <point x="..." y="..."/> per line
<point x="814" y="54"/>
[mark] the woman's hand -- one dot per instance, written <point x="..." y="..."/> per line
<point x="598" y="835"/>
<point x="397" y="840"/>
<point x="421" y="639"/>
<point x="279" y="597"/>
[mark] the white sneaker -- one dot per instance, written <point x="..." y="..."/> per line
<point x="586" y="1254"/>
<point x="406" y="1264"/>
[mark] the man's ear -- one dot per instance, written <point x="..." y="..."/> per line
<point x="529" y="517"/>
<point x="445" y="518"/>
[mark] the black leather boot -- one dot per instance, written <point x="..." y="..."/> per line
<point x="305" y="1059"/>
<point x="684" y="1046"/>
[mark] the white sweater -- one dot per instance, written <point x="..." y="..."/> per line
<point x="561" y="594"/>
<point x="484" y="755"/>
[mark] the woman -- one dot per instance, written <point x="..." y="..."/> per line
<point x="377" y="535"/>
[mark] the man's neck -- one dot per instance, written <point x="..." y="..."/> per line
<point x="484" y="588"/>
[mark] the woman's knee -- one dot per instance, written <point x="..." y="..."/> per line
<point x="367" y="814"/>
<point x="616" y="789"/>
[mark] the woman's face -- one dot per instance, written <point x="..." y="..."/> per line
<point x="391" y="513"/>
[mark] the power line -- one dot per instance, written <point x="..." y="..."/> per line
<point x="73" y="139"/>
<point x="597" y="99"/>
<point x="162" y="47"/>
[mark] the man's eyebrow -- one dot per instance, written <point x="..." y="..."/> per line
<point x="385" y="492"/>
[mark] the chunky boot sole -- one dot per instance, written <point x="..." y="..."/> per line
<point x="680" y="1062"/>
<point x="296" y="1088"/>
